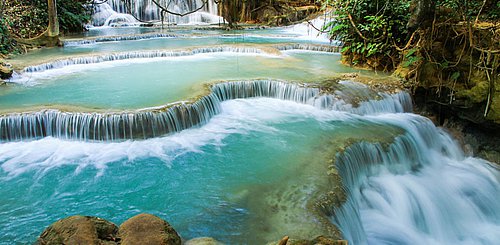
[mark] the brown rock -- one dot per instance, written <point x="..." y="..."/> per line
<point x="203" y="241"/>
<point x="147" y="229"/>
<point x="284" y="240"/>
<point x="79" y="230"/>
<point x="322" y="240"/>
<point x="5" y="71"/>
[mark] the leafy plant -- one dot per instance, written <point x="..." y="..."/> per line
<point x="370" y="28"/>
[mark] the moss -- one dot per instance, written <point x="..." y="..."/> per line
<point x="494" y="113"/>
<point x="477" y="94"/>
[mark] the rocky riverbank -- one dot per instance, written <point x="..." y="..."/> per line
<point x="140" y="229"/>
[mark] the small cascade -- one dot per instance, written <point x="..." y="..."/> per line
<point x="418" y="189"/>
<point x="309" y="47"/>
<point x="104" y="15"/>
<point x="139" y="55"/>
<point x="108" y="126"/>
<point x="79" y="42"/>
<point x="147" y="10"/>
<point x="149" y="123"/>
<point x="166" y="53"/>
<point x="316" y="29"/>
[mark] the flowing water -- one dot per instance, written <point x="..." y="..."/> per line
<point x="118" y="13"/>
<point x="125" y="125"/>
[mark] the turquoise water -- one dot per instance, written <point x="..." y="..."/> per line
<point x="250" y="174"/>
<point x="140" y="83"/>
<point x="212" y="181"/>
<point x="187" y="38"/>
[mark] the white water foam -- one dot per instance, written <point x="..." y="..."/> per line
<point x="419" y="190"/>
<point x="313" y="30"/>
<point x="35" y="78"/>
<point x="104" y="15"/>
<point x="237" y="117"/>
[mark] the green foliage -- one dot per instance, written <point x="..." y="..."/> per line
<point x="6" y="43"/>
<point x="375" y="27"/>
<point x="372" y="29"/>
<point x="411" y="58"/>
<point x="71" y="14"/>
<point x="28" y="19"/>
<point x="469" y="9"/>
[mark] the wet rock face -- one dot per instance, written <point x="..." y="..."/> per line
<point x="79" y="230"/>
<point x="148" y="229"/>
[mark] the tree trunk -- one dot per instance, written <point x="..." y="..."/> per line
<point x="53" y="29"/>
<point x="422" y="14"/>
<point x="50" y="37"/>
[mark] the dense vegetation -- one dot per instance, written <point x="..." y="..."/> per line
<point x="447" y="49"/>
<point x="28" y="19"/>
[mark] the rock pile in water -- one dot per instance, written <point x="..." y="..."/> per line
<point x="145" y="229"/>
<point x="140" y="229"/>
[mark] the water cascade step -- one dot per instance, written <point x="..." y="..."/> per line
<point x="154" y="122"/>
<point x="79" y="42"/>
<point x="173" y="53"/>
<point x="420" y="189"/>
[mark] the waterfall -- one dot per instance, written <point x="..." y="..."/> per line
<point x="104" y="15"/>
<point x="149" y="123"/>
<point x="167" y="53"/>
<point x="79" y="42"/>
<point x="147" y="10"/>
<point x="420" y="189"/>
<point x="316" y="29"/>
<point x="138" y="55"/>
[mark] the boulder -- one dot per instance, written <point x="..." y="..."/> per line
<point x="147" y="229"/>
<point x="79" y="230"/>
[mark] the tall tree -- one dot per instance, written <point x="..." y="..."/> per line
<point x="53" y="28"/>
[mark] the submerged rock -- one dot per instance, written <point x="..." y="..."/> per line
<point x="203" y="241"/>
<point x="147" y="229"/>
<point x="323" y="240"/>
<point x="320" y="240"/>
<point x="79" y="230"/>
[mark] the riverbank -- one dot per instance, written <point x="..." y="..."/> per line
<point x="142" y="228"/>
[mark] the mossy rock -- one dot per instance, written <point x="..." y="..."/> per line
<point x="476" y="94"/>
<point x="79" y="230"/>
<point x="147" y="229"/>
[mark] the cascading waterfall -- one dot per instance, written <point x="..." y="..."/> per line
<point x="171" y="53"/>
<point x="316" y="29"/>
<point x="104" y="15"/>
<point x="420" y="189"/>
<point x="155" y="122"/>
<point x="138" y="55"/>
<point x="118" y="38"/>
<point x="147" y="10"/>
